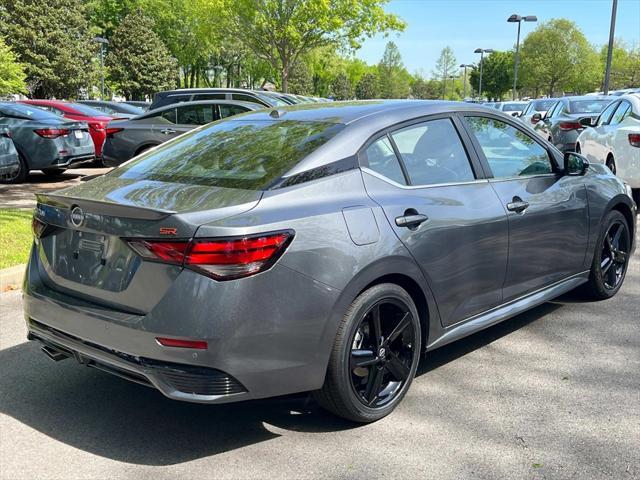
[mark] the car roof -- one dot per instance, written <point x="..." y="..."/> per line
<point x="585" y="97"/>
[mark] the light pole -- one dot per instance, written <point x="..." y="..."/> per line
<point x="612" y="31"/>
<point x="518" y="19"/>
<point x="102" y="41"/>
<point x="481" y="51"/>
<point x="465" y="66"/>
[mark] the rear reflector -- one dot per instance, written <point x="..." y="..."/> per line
<point x="219" y="258"/>
<point x="570" y="126"/>
<point x="51" y="132"/>
<point x="634" y="139"/>
<point x="176" y="342"/>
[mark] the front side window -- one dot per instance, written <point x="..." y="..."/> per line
<point x="210" y="96"/>
<point x="433" y="153"/>
<point x="606" y="114"/>
<point x="248" y="98"/>
<point x="169" y="116"/>
<point x="621" y="113"/>
<point x="195" y="115"/>
<point x="509" y="151"/>
<point x="229" y="110"/>
<point x="239" y="154"/>
<point x="382" y="159"/>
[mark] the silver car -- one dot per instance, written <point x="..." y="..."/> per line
<point x="9" y="163"/>
<point x="44" y="140"/>
<point x="321" y="248"/>
<point x="539" y="106"/>
<point x="128" y="138"/>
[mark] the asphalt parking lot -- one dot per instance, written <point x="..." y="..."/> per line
<point x="553" y="393"/>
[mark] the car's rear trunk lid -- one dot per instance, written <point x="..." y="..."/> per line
<point x="84" y="251"/>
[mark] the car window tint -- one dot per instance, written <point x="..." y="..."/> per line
<point x="195" y="115"/>
<point x="209" y="96"/>
<point x="169" y="115"/>
<point x="382" y="159"/>
<point x="509" y="151"/>
<point x="433" y="153"/>
<point x="229" y="110"/>
<point x="620" y="113"/>
<point x="606" y="114"/>
<point x="247" y="98"/>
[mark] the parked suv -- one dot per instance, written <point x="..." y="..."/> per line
<point x="169" y="97"/>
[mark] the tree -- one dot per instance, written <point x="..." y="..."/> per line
<point x="557" y="57"/>
<point x="625" y="65"/>
<point x="426" y="89"/>
<point x="51" y="39"/>
<point x="138" y="61"/>
<point x="367" y="87"/>
<point x="446" y="66"/>
<point x="394" y="78"/>
<point x="300" y="80"/>
<point x="280" y="31"/>
<point x="342" y="87"/>
<point x="11" y="72"/>
<point x="497" y="75"/>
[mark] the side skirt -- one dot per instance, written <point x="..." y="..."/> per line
<point x="508" y="310"/>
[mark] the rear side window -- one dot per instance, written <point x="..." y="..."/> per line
<point x="210" y="96"/>
<point x="248" y="98"/>
<point x="195" y="114"/>
<point x="509" y="151"/>
<point x="169" y="116"/>
<point x="382" y="159"/>
<point x="433" y="153"/>
<point x="240" y="154"/>
<point x="229" y="110"/>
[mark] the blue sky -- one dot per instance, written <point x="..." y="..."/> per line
<point x="465" y="25"/>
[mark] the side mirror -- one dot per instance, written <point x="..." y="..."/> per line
<point x="575" y="164"/>
<point x="515" y="114"/>
<point x="535" y="118"/>
<point x="587" y="122"/>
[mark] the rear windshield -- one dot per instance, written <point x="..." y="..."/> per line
<point x="86" y="110"/>
<point x="27" y="112"/>
<point x="513" y="107"/>
<point x="587" y="106"/>
<point x="543" y="105"/>
<point x="246" y="154"/>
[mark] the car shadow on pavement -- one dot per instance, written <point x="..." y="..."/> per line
<point x="115" y="419"/>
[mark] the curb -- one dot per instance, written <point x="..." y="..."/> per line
<point x="11" y="278"/>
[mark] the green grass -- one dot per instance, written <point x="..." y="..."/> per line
<point x="15" y="236"/>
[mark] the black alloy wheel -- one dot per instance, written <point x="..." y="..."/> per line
<point x="614" y="254"/>
<point x="382" y="352"/>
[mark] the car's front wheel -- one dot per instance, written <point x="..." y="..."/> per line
<point x="374" y="357"/>
<point x="611" y="257"/>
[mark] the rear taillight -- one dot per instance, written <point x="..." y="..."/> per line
<point x="566" y="126"/>
<point x="96" y="127"/>
<point x="634" y="139"/>
<point x="112" y="130"/>
<point x="38" y="227"/>
<point x="52" y="132"/>
<point x="219" y="258"/>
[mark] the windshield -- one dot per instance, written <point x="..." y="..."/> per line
<point x="587" y="106"/>
<point x="86" y="110"/>
<point x="123" y="108"/>
<point x="27" y="112"/>
<point x="273" y="100"/>
<point x="543" y="105"/>
<point x="241" y="154"/>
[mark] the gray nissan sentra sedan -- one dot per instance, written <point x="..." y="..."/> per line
<point x="318" y="248"/>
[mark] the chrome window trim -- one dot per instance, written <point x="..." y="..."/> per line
<point x="419" y="187"/>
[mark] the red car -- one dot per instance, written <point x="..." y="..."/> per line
<point x="96" y="119"/>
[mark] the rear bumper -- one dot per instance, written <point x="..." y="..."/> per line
<point x="259" y="344"/>
<point x="66" y="161"/>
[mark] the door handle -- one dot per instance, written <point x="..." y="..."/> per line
<point x="167" y="131"/>
<point x="411" y="221"/>
<point x="517" y="205"/>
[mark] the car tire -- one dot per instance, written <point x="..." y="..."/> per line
<point x="611" y="258"/>
<point x="20" y="176"/>
<point x="611" y="164"/>
<point x="53" y="172"/>
<point x="363" y="385"/>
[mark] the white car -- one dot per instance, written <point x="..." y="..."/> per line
<point x="511" y="108"/>
<point x="615" y="139"/>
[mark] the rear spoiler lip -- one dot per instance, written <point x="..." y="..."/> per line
<point x="103" y="208"/>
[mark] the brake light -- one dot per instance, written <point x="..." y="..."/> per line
<point x="634" y="139"/>
<point x="52" y="132"/>
<point x="176" y="342"/>
<point x="219" y="258"/>
<point x="112" y="130"/>
<point x="97" y="127"/>
<point x="566" y="126"/>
